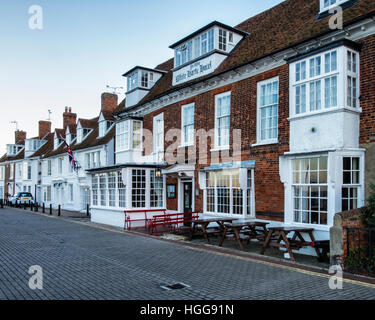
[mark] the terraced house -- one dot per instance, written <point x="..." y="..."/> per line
<point x="271" y="119"/>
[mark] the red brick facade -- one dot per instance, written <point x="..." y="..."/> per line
<point x="367" y="99"/>
<point x="269" y="200"/>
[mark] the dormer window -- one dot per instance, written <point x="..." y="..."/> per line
<point x="82" y="134"/>
<point x="201" y="45"/>
<point x="13" y="149"/>
<point x="203" y="51"/>
<point x="104" y="126"/>
<point x="133" y="81"/>
<point x="139" y="82"/>
<point x="326" y="5"/>
<point x="57" y="142"/>
<point x="144" y="79"/>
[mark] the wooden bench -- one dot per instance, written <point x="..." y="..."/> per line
<point x="171" y="220"/>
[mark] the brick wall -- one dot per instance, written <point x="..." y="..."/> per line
<point x="367" y="100"/>
<point x="269" y="191"/>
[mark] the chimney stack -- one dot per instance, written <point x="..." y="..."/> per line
<point x="69" y="117"/>
<point x="109" y="102"/>
<point x="44" y="128"/>
<point x="20" y="137"/>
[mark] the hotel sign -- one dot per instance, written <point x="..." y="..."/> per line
<point x="197" y="69"/>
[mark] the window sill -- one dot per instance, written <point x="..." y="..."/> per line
<point x="324" y="111"/>
<point x="220" y="149"/>
<point x="265" y="143"/>
<point x="186" y="146"/>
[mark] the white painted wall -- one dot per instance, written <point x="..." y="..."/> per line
<point x="334" y="129"/>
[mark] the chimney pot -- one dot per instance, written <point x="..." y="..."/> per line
<point x="69" y="118"/>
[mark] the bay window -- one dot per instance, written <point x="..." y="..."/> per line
<point x="122" y="135"/>
<point x="324" y="81"/>
<point x="129" y="135"/>
<point x="146" y="189"/>
<point x="137" y="135"/>
<point x="222" y="120"/>
<point x="95" y="188"/>
<point x="225" y="195"/>
<point x="187" y="131"/>
<point x="112" y="189"/>
<point x="268" y="107"/>
<point x="103" y="189"/>
<point x="121" y="191"/>
<point x="351" y="183"/>
<point x="139" y="188"/>
<point x="310" y="190"/>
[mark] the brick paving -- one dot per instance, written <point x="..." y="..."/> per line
<point x="81" y="262"/>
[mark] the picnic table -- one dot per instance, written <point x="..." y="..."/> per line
<point x="204" y="223"/>
<point x="278" y="234"/>
<point x="253" y="229"/>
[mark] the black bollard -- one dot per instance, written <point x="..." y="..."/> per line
<point x="36" y="207"/>
<point x="44" y="208"/>
<point x="2" y="204"/>
<point x="88" y="210"/>
<point x="24" y="205"/>
<point x="50" y="209"/>
<point x="59" y="212"/>
<point x="31" y="204"/>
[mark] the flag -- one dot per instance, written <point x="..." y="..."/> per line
<point x="72" y="161"/>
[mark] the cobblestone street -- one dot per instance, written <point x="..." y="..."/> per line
<point x="81" y="262"/>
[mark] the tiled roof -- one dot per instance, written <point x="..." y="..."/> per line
<point x="73" y="128"/>
<point x="289" y="23"/>
<point x="19" y="156"/>
<point x="120" y="107"/>
<point x="47" y="147"/>
<point x="108" y="115"/>
<point x="92" y="139"/>
<point x="89" y="123"/>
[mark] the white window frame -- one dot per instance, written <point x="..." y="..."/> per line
<point x="248" y="208"/>
<point x="217" y="97"/>
<point x="185" y="143"/>
<point x="156" y="133"/>
<point x="341" y="73"/>
<point x="103" y="128"/>
<point x="123" y="129"/>
<point x="133" y="133"/>
<point x="337" y="3"/>
<point x="259" y="112"/>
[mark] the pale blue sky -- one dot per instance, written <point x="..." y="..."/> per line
<point x="87" y="44"/>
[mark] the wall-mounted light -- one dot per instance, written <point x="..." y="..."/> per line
<point x="158" y="173"/>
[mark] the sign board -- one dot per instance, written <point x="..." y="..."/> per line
<point x="198" y="69"/>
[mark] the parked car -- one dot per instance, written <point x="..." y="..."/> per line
<point x="22" y="198"/>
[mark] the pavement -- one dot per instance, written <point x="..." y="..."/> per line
<point x="81" y="261"/>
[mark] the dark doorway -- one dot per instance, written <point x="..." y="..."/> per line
<point x="188" y="199"/>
